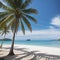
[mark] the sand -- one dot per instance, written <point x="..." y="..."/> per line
<point x="30" y="52"/>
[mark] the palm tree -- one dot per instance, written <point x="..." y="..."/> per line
<point x="4" y="31"/>
<point x="17" y="14"/>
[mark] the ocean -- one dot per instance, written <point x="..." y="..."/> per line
<point x="48" y="43"/>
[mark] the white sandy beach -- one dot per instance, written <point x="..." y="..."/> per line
<point x="29" y="51"/>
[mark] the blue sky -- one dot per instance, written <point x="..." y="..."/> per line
<point x="47" y="9"/>
<point x="48" y="17"/>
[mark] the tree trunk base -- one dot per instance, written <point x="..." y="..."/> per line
<point x="1" y="46"/>
<point x="11" y="53"/>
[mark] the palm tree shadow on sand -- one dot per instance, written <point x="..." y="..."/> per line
<point x="30" y="55"/>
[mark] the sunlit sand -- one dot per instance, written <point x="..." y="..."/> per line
<point x="30" y="52"/>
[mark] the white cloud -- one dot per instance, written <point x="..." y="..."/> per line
<point x="51" y="27"/>
<point x="37" y="34"/>
<point x="56" y="21"/>
<point x="40" y="34"/>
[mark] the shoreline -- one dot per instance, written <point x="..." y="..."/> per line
<point x="40" y="49"/>
<point x="30" y="52"/>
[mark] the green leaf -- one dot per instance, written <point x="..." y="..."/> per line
<point x="27" y="23"/>
<point x="6" y="20"/>
<point x="31" y="18"/>
<point x="4" y="29"/>
<point x="6" y="7"/>
<point x="22" y="26"/>
<point x="11" y="3"/>
<point x="25" y="4"/>
<point x="30" y="11"/>
<point x="4" y="14"/>
<point x="14" y="3"/>
<point x="18" y="3"/>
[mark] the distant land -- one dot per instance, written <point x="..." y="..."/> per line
<point x="6" y="39"/>
<point x="59" y="39"/>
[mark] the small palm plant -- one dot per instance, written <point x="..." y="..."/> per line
<point x="17" y="14"/>
<point x="4" y="31"/>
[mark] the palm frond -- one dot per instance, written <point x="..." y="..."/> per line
<point x="4" y="14"/>
<point x="25" y="4"/>
<point x="31" y="18"/>
<point x="0" y="28"/>
<point x="30" y="11"/>
<point x="18" y="3"/>
<point x="4" y="29"/>
<point x="22" y="26"/>
<point x="14" y="3"/>
<point x="27" y="23"/>
<point x="11" y="3"/>
<point x="6" y="20"/>
<point x="5" y="7"/>
<point x="11" y="22"/>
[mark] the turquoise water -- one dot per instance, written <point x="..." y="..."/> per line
<point x="50" y="43"/>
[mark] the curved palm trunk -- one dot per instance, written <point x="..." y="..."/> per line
<point x="2" y="41"/>
<point x="12" y="46"/>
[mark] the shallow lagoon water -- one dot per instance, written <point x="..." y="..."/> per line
<point x="49" y="43"/>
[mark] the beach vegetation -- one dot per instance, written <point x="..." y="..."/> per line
<point x="3" y="31"/>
